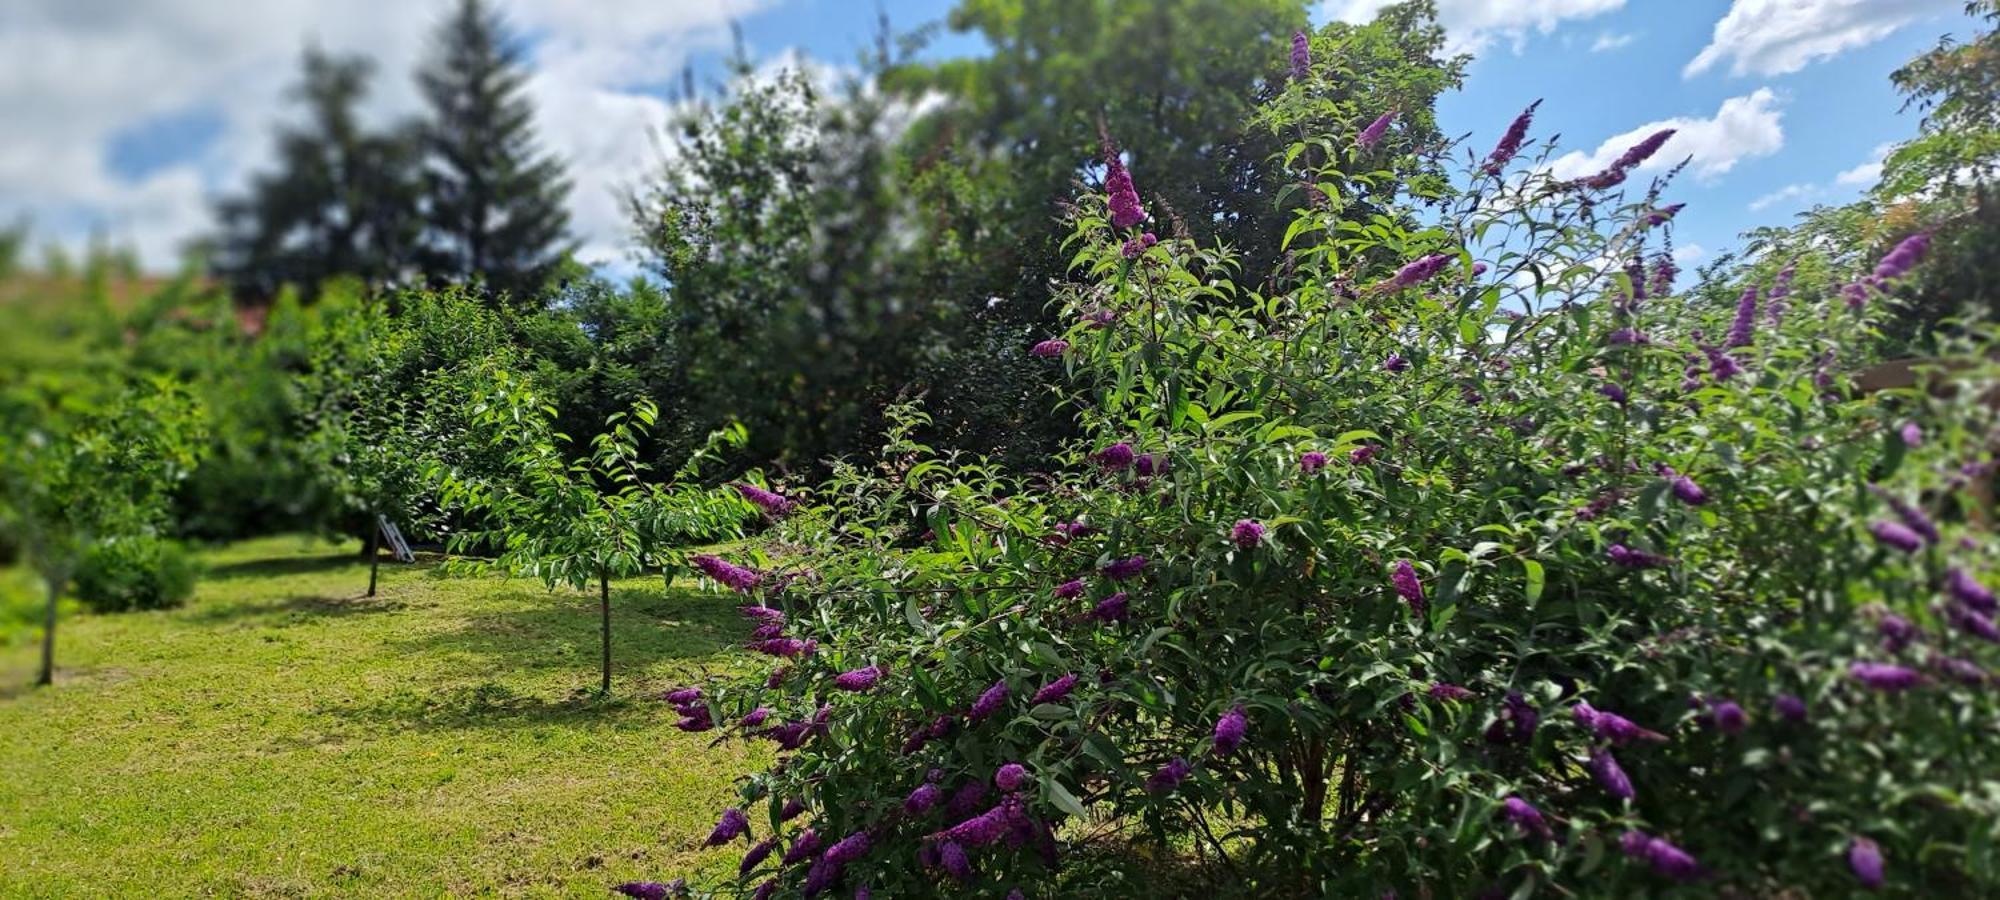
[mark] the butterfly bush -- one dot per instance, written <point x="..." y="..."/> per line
<point x="1584" y="602"/>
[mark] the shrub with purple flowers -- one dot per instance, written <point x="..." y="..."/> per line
<point x="1524" y="640"/>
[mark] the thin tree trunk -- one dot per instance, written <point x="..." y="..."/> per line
<point x="48" y="675"/>
<point x="374" y="553"/>
<point x="604" y="607"/>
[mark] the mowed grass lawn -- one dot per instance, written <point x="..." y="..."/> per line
<point x="283" y="736"/>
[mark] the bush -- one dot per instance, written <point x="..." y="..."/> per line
<point x="135" y="573"/>
<point x="1471" y="559"/>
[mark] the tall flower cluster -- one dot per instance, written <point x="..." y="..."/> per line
<point x="728" y="574"/>
<point x="1510" y="142"/>
<point x="773" y="504"/>
<point x="1614" y="174"/>
<point x="1372" y="135"/>
<point x="1126" y="210"/>
<point x="1301" y="56"/>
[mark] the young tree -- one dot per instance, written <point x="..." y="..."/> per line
<point x="74" y="481"/>
<point x="341" y="201"/>
<point x="574" y="521"/>
<point x="495" y="200"/>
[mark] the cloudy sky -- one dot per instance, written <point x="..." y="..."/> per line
<point x="124" y="116"/>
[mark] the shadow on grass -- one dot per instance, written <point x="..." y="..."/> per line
<point x="557" y="632"/>
<point x="282" y="566"/>
<point x="298" y="607"/>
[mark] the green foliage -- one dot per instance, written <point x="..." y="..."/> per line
<point x="143" y="572"/>
<point x="1457" y="468"/>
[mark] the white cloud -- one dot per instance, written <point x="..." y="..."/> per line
<point x="1473" y="25"/>
<point x="1868" y="173"/>
<point x="1608" y="41"/>
<point x="1775" y="37"/>
<point x="75" y="75"/>
<point x="1787" y="194"/>
<point x="1742" y="128"/>
<point x="1688" y="254"/>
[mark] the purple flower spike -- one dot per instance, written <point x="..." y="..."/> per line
<point x="1116" y="457"/>
<point x="732" y="825"/>
<point x="1912" y="435"/>
<point x="1634" y="559"/>
<point x="1407" y="585"/>
<point x="1301" y="55"/>
<point x="1744" y="329"/>
<point x="1686" y="491"/>
<point x="952" y="858"/>
<point x="1510" y="142"/>
<point x="1123" y="569"/>
<point x="1897" y="535"/>
<point x="1050" y="349"/>
<point x="1363" y="454"/>
<point x="1311" y="461"/>
<point x="1973" y="622"/>
<point x="1247" y="533"/>
<point x="988" y="702"/>
<point x="650" y="890"/>
<point x="1169" y="776"/>
<point x="1229" y="730"/>
<point x="1524" y="814"/>
<point x="1663" y="215"/>
<point x="1884" y="676"/>
<point x="1897" y="632"/>
<point x="1417" y="271"/>
<point x="1864" y="857"/>
<point x="1010" y="777"/>
<point x="1115" y="608"/>
<point x="757" y="855"/>
<point x="1055" y="691"/>
<point x="734" y="577"/>
<point x="1967" y="590"/>
<point x="1395" y="363"/>
<point x="1610" y="776"/>
<point x="1730" y="718"/>
<point x="1665" y="858"/>
<point x="1444" y="690"/>
<point x="922" y="799"/>
<point x="1372" y="135"/>
<point x="1790" y="706"/>
<point x="774" y="505"/>
<point x="859" y="679"/>
<point x="850" y="849"/>
<point x="1126" y="210"/>
<point x="1070" y="590"/>
<point x="804" y="847"/>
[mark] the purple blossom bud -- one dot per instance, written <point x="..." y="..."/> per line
<point x="1661" y="216"/>
<point x="922" y="799"/>
<point x="1149" y="465"/>
<point x="785" y="647"/>
<point x="756" y="717"/>
<point x="1664" y="272"/>
<point x="1301" y="55"/>
<point x="1114" y="608"/>
<point x="1721" y="366"/>
<point x="1864" y="857"/>
<point x="695" y="720"/>
<point x="804" y="847"/>
<point x="1125" y="208"/>
<point x="734" y="577"/>
<point x="1070" y="590"/>
<point x="1730" y="718"/>
<point x="1137" y="247"/>
<point x="1686" y="491"/>
<point x="1168" y="777"/>
<point x="1628" y="337"/>
<point x="1969" y="591"/>
<point x="1055" y="691"/>
<point x="965" y="799"/>
<point x="1744" y="328"/>
<point x="1116" y="457"/>
<point x="1903" y="258"/>
<point x="1884" y="676"/>
<point x="652" y="890"/>
<point x="1123" y="569"/>
<point x="1973" y="622"/>
<point x="1897" y="535"/>
<point x="1372" y="135"/>
<point x="1897" y="632"/>
<point x="1510" y="142"/>
<point x="1791" y="707"/>
<point x="1613" y="727"/>
<point x="850" y="849"/>
<point x="1663" y="857"/>
<point x="1444" y="690"/>
<point x="980" y="830"/>
<point x="1634" y="559"/>
<point x="1229" y="730"/>
<point x="988" y="702"/>
<point x="1610" y="776"/>
<point x="687" y="696"/>
<point x="1407" y="585"/>
<point x="1524" y="814"/>
<point x="952" y="858"/>
<point x="1614" y="391"/>
<point x="763" y="614"/>
<point x="1523" y="715"/>
<point x="1395" y="363"/>
<point x="775" y="505"/>
<point x="1311" y="461"/>
<point x="859" y="679"/>
<point x="732" y="825"/>
<point x="1010" y="777"/>
<point x="757" y="855"/>
<point x="1417" y="271"/>
<point x="1912" y="435"/>
<point x="1363" y="454"/>
<point x="1247" y="533"/>
<point x="1960" y="670"/>
<point x="1050" y="349"/>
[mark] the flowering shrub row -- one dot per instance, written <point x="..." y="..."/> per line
<point x="1470" y="558"/>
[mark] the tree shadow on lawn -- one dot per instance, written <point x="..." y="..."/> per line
<point x="558" y="632"/>
<point x="282" y="566"/>
<point x="297" y="608"/>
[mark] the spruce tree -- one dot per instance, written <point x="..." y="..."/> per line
<point x="494" y="199"/>
<point x="340" y="202"/>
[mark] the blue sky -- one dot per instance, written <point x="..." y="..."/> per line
<point x="126" y="117"/>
